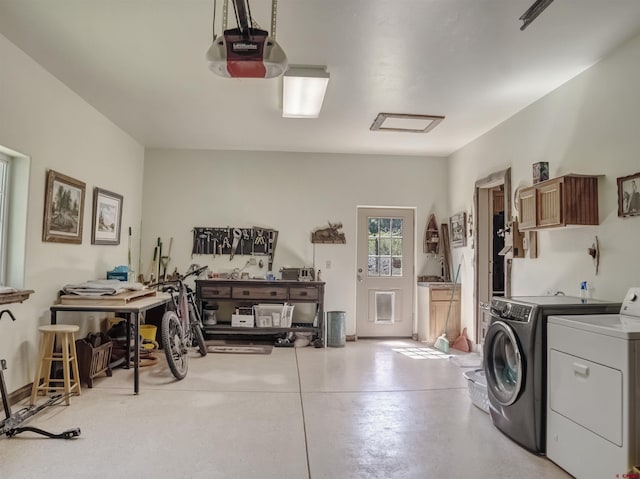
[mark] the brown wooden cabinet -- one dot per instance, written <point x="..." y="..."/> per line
<point x="563" y="201"/>
<point x="433" y="308"/>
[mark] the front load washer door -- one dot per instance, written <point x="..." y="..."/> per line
<point x="504" y="367"/>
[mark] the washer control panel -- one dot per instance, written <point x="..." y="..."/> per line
<point x="506" y="309"/>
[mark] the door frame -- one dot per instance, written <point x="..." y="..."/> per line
<point x="414" y="287"/>
<point x="498" y="178"/>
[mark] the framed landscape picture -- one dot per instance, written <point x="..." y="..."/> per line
<point x="457" y="227"/>
<point x="107" y="217"/>
<point x="63" y="209"/>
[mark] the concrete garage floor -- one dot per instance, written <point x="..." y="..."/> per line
<point x="363" y="411"/>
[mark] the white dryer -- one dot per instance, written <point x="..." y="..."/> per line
<point x="593" y="384"/>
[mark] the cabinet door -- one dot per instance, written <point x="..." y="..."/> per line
<point x="549" y="203"/>
<point x="527" y="207"/>
<point x="438" y="320"/>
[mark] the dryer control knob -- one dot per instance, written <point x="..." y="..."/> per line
<point x="506" y="310"/>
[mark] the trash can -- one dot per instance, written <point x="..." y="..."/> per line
<point x="336" y="336"/>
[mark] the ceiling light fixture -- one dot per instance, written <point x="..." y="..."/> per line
<point x="303" y="89"/>
<point x="405" y="122"/>
<point x="532" y="13"/>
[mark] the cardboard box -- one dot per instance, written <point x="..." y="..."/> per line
<point x="242" y="321"/>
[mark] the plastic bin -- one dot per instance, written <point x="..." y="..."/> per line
<point x="477" y="384"/>
<point x="336" y="336"/>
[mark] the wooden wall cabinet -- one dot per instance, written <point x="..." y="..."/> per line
<point x="433" y="306"/>
<point x="563" y="201"/>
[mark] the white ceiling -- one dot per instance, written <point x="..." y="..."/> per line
<point x="142" y="64"/>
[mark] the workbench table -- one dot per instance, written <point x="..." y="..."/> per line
<point x="135" y="309"/>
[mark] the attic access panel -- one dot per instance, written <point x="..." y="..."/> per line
<point x="405" y="122"/>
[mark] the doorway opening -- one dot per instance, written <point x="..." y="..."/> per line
<point x="492" y="203"/>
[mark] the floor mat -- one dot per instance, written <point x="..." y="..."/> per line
<point x="240" y="349"/>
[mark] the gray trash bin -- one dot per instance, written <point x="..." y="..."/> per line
<point x="336" y="336"/>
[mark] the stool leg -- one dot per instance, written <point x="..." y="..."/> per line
<point x="66" y="374"/>
<point x="36" y="379"/>
<point x="74" y="365"/>
<point x="49" y="357"/>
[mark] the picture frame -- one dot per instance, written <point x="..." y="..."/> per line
<point x="107" y="217"/>
<point x="63" y="209"/>
<point x="457" y="229"/>
<point x="629" y="195"/>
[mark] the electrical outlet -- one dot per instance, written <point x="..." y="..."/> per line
<point x="327" y="264"/>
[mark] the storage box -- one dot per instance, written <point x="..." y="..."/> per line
<point x="242" y="321"/>
<point x="273" y="315"/>
<point x="119" y="275"/>
<point x="93" y="360"/>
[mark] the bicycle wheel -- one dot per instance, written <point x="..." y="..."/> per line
<point x="197" y="332"/>
<point x="175" y="347"/>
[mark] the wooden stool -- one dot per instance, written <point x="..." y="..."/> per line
<point x="67" y="356"/>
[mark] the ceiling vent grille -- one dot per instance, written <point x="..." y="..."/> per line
<point x="405" y="122"/>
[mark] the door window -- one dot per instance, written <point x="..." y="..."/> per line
<point x="385" y="247"/>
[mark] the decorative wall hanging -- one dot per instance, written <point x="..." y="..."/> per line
<point x="329" y="235"/>
<point x="457" y="229"/>
<point x="107" y="217"/>
<point x="628" y="195"/>
<point x="431" y="236"/>
<point x="63" y="209"/>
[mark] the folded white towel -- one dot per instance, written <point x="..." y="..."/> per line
<point x="102" y="287"/>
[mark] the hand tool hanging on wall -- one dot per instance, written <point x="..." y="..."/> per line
<point x="237" y="234"/>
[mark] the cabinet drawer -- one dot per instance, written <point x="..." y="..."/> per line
<point x="445" y="294"/>
<point x="303" y="293"/>
<point x="208" y="292"/>
<point x="249" y="292"/>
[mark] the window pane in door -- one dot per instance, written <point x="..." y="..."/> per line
<point x="396" y="266"/>
<point x="385" y="247"/>
<point x="396" y="246"/>
<point x="385" y="266"/>
<point x="372" y="268"/>
<point x="396" y="226"/>
<point x="373" y="226"/>
<point x="373" y="246"/>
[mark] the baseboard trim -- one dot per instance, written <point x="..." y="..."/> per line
<point x="20" y="394"/>
<point x="352" y="337"/>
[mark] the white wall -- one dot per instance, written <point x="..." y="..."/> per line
<point x="587" y="126"/>
<point x="44" y="120"/>
<point x="293" y="193"/>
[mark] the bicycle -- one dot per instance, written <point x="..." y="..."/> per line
<point x="182" y="326"/>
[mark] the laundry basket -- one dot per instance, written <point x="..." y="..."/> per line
<point x="477" y="384"/>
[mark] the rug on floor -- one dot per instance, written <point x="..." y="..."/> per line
<point x="240" y="349"/>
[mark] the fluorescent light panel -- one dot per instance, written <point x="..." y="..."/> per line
<point x="303" y="91"/>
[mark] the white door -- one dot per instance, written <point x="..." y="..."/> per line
<point x="385" y="279"/>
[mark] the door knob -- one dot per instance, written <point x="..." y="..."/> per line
<point x="359" y="270"/>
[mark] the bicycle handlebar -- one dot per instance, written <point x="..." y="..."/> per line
<point x="180" y="279"/>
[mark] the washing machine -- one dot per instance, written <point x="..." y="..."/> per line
<point x="515" y="361"/>
<point x="593" y="411"/>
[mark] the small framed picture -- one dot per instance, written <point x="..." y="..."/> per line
<point x="629" y="195"/>
<point x="107" y="217"/>
<point x="457" y="227"/>
<point x="63" y="209"/>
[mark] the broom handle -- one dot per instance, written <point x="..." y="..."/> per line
<point x="453" y="292"/>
